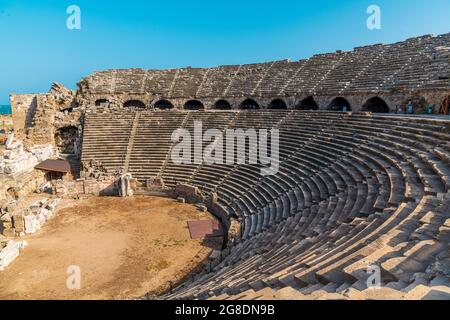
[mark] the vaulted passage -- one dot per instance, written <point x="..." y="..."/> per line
<point x="134" y="104"/>
<point x="163" y="105"/>
<point x="339" y="104"/>
<point x="277" y="104"/>
<point x="376" y="105"/>
<point x="65" y="139"/>
<point x="222" y="105"/>
<point x="249" y="104"/>
<point x="307" y="104"/>
<point x="194" y="105"/>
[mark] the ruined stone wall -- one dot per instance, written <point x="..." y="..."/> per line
<point x="40" y="116"/>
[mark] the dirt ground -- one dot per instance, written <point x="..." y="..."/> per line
<point x="124" y="247"/>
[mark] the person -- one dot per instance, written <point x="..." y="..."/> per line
<point x="430" y="109"/>
<point x="410" y="108"/>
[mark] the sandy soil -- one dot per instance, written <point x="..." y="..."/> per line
<point x="125" y="247"/>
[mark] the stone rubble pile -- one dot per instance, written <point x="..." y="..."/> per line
<point x="16" y="160"/>
<point x="10" y="250"/>
<point x="30" y="220"/>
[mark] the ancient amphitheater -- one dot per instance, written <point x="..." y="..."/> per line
<point x="358" y="186"/>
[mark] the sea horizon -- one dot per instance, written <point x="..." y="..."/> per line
<point x="5" y="109"/>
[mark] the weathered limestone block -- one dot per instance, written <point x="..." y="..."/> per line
<point x="60" y="188"/>
<point x="91" y="187"/>
<point x="53" y="204"/>
<point x="19" y="223"/>
<point x="31" y="224"/>
<point x="9" y="232"/>
<point x="234" y="232"/>
<point x="9" y="140"/>
<point x="16" y="161"/>
<point x="45" y="214"/>
<point x="43" y="152"/>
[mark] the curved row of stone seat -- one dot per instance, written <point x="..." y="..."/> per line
<point x="181" y="173"/>
<point x="407" y="186"/>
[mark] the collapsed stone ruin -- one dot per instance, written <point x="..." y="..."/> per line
<point x="26" y="221"/>
<point x="9" y="251"/>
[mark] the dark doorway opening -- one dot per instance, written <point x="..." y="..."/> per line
<point x="278" y="104"/>
<point x="134" y="104"/>
<point x="222" y="105"/>
<point x="164" y="105"/>
<point x="193" y="105"/>
<point x="339" y="104"/>
<point x="376" y="105"/>
<point x="307" y="104"/>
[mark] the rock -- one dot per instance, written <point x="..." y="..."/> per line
<point x="10" y="232"/>
<point x="125" y="189"/>
<point x="6" y="217"/>
<point x="440" y="280"/>
<point x="45" y="213"/>
<point x="8" y="254"/>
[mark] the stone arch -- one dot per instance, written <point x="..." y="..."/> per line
<point x="376" y="105"/>
<point x="164" y="105"/>
<point x="194" y="105"/>
<point x="101" y="102"/>
<point x="134" y="104"/>
<point x="278" y="104"/>
<point x="249" y="104"/>
<point x="65" y="139"/>
<point x="307" y="104"/>
<point x="339" y="104"/>
<point x="222" y="105"/>
<point x="445" y="106"/>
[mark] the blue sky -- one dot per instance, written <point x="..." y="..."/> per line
<point x="37" y="48"/>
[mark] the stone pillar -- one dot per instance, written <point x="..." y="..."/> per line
<point x="125" y="189"/>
